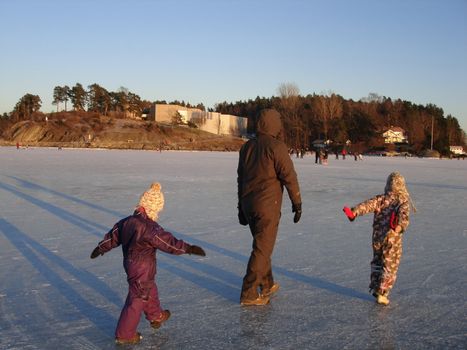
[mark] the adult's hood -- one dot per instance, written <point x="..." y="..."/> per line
<point x="269" y="123"/>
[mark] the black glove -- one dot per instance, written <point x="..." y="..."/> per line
<point x="194" y="249"/>
<point x="297" y="209"/>
<point x="241" y="217"/>
<point x="96" y="252"/>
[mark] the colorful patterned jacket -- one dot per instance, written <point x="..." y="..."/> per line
<point x="391" y="208"/>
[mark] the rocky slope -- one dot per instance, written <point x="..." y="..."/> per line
<point x="94" y="131"/>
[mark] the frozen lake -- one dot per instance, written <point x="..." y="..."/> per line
<point x="57" y="204"/>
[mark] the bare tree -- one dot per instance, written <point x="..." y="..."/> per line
<point x="329" y="107"/>
<point x="289" y="93"/>
<point x="289" y="105"/>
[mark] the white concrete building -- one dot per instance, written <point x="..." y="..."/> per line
<point x="213" y="122"/>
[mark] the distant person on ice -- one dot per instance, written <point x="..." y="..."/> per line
<point x="264" y="168"/>
<point x="140" y="236"/>
<point x="391" y="219"/>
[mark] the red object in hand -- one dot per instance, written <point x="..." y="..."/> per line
<point x="349" y="213"/>
<point x="394" y="221"/>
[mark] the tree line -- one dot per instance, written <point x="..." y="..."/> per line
<point x="95" y="98"/>
<point x="328" y="116"/>
<point x="98" y="99"/>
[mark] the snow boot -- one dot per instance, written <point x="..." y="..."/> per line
<point x="134" y="340"/>
<point x="382" y="299"/>
<point x="269" y="292"/>
<point x="157" y="323"/>
<point x="259" y="301"/>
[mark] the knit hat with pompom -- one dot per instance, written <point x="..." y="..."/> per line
<point x="152" y="201"/>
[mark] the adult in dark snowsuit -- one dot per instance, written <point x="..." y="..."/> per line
<point x="140" y="236"/>
<point x="264" y="169"/>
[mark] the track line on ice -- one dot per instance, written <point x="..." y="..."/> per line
<point x="85" y="308"/>
<point x="72" y="218"/>
<point x="313" y="281"/>
<point x="35" y="186"/>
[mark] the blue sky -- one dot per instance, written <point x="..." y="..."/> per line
<point x="212" y="50"/>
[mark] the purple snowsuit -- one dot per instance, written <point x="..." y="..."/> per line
<point x="140" y="237"/>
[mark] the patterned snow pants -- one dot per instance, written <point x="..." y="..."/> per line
<point x="387" y="252"/>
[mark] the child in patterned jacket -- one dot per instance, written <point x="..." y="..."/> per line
<point x="391" y="219"/>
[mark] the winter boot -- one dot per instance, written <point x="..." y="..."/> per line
<point x="259" y="301"/>
<point x="269" y="292"/>
<point x="157" y="323"/>
<point x="382" y="299"/>
<point x="134" y="340"/>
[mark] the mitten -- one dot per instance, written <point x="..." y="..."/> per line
<point x="297" y="209"/>
<point x="96" y="252"/>
<point x="350" y="215"/>
<point x="241" y="217"/>
<point x="194" y="249"/>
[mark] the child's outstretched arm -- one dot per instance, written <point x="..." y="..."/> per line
<point x="110" y="241"/>
<point x="165" y="241"/>
<point x="369" y="206"/>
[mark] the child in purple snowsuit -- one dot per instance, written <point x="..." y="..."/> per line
<point x="140" y="236"/>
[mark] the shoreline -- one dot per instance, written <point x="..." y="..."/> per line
<point x="137" y="146"/>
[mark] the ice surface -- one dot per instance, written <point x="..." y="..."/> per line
<point x="55" y="205"/>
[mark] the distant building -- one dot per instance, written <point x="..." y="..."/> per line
<point x="456" y="149"/>
<point x="395" y="134"/>
<point x="213" y="122"/>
